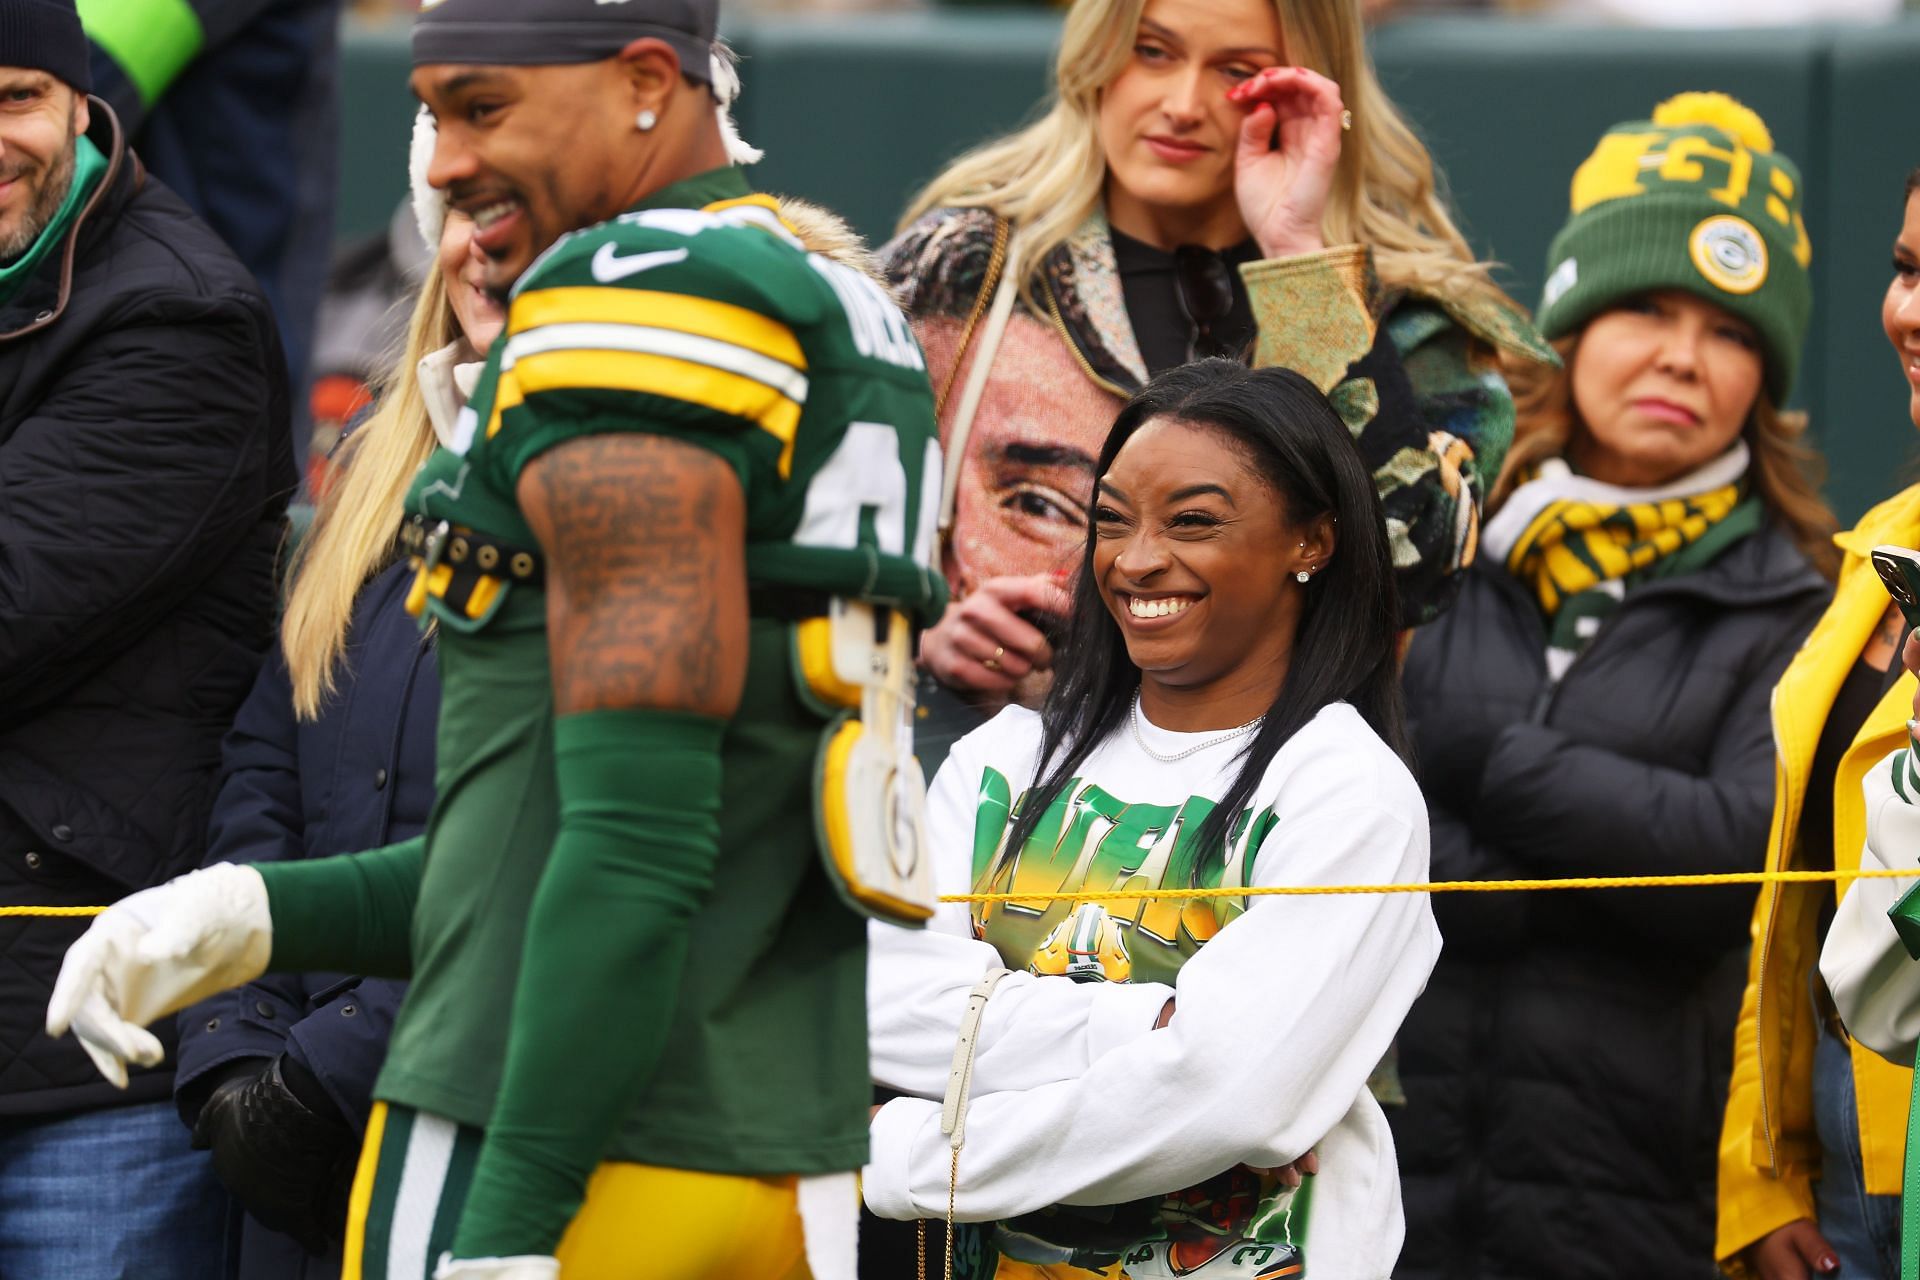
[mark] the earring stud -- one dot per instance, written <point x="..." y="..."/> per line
<point x="645" y="121"/>
<point x="1304" y="577"/>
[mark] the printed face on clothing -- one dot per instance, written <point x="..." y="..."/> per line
<point x="464" y="268"/>
<point x="1026" y="480"/>
<point x="1662" y="384"/>
<point x="1900" y="311"/>
<point x="1166" y="127"/>
<point x="516" y="152"/>
<point x="1194" y="557"/>
<point x="40" y="120"/>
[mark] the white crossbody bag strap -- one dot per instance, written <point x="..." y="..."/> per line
<point x="953" y="1111"/>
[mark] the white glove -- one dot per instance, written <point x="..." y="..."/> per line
<point x="155" y="952"/>
<point x="526" y="1267"/>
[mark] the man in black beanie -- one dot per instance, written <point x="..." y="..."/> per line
<point x="144" y="468"/>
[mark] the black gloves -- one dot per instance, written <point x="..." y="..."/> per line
<point x="282" y="1149"/>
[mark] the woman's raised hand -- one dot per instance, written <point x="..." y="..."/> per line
<point x="984" y="645"/>
<point x="1283" y="189"/>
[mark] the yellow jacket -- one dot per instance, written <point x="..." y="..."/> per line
<point x="1769" y="1152"/>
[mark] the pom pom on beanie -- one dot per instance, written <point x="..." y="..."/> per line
<point x="1694" y="198"/>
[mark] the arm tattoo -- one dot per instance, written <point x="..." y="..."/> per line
<point x="645" y="539"/>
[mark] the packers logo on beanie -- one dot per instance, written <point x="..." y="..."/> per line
<point x="1695" y="198"/>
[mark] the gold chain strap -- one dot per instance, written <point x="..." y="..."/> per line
<point x="996" y="263"/>
<point x="953" y="1191"/>
<point x="953" y="1109"/>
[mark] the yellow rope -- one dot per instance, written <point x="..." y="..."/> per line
<point x="1441" y="886"/>
<point x="1316" y="890"/>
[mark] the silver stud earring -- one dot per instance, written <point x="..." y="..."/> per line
<point x="645" y="121"/>
<point x="1303" y="577"/>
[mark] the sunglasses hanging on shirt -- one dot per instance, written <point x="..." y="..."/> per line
<point x="1203" y="282"/>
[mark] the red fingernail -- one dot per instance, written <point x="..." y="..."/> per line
<point x="1828" y="1263"/>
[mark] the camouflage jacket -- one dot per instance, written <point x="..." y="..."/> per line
<point x="1416" y="378"/>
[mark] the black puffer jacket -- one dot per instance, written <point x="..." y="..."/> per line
<point x="144" y="474"/>
<point x="1567" y="1067"/>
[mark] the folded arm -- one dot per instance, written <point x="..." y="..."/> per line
<point x="1247" y="1071"/>
<point x="1034" y="1031"/>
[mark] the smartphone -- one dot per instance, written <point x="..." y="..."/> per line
<point x="1899" y="569"/>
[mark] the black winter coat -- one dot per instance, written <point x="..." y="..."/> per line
<point x="358" y="777"/>
<point x="1567" y="1068"/>
<point x="144" y="475"/>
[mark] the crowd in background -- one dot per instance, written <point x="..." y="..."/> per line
<point x="1644" y="13"/>
<point x="1583" y="545"/>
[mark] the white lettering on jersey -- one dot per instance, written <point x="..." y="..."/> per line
<point x="880" y="332"/>
<point x="866" y="473"/>
<point x="610" y="265"/>
<point x="863" y="474"/>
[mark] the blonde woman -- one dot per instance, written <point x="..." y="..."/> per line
<point x="333" y="751"/>
<point x="1213" y="177"/>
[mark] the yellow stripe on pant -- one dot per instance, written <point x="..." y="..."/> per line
<point x="638" y="1222"/>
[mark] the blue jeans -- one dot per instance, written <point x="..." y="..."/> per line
<point x="1864" y="1230"/>
<point x="109" y="1195"/>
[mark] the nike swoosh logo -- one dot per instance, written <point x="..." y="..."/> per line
<point x="609" y="266"/>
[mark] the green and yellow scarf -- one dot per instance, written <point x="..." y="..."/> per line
<point x="1580" y="545"/>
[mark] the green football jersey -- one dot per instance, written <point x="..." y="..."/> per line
<point x="700" y="317"/>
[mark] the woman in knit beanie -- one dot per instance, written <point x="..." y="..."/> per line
<point x="1596" y="704"/>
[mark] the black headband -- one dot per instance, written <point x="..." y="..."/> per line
<point x="546" y="32"/>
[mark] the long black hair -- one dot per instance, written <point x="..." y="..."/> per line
<point x="1349" y="621"/>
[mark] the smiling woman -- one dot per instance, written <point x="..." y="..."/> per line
<point x="1225" y="713"/>
<point x="1800" y="1083"/>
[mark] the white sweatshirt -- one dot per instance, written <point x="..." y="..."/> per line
<point x="1282" y="1013"/>
<point x="1875" y="983"/>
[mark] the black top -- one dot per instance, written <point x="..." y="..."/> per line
<point x="1162" y="326"/>
<point x="1858" y="695"/>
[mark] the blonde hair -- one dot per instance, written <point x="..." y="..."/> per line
<point x="353" y="531"/>
<point x="1048" y="177"/>
<point x="1786" y="470"/>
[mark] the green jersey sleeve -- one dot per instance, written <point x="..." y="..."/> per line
<point x="669" y="322"/>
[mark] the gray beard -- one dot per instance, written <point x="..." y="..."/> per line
<point x="46" y="203"/>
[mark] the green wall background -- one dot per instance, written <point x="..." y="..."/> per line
<point x="856" y="112"/>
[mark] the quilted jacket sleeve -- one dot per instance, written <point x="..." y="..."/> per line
<point x="134" y="476"/>
<point x="1417" y="380"/>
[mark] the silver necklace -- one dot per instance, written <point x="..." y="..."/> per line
<point x="1166" y="758"/>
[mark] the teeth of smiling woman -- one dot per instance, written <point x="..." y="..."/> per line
<point x="1157" y="608"/>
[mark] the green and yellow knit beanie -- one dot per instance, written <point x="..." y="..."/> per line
<point x="1696" y="199"/>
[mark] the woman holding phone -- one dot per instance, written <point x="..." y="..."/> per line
<point x="1212" y="178"/>
<point x="1811" y="1155"/>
